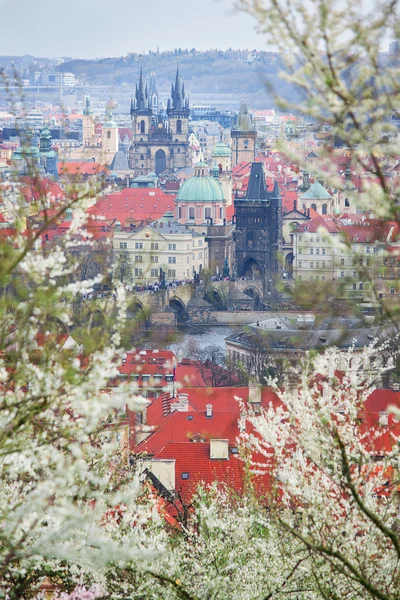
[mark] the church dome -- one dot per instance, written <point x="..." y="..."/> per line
<point x="221" y="149"/>
<point x="45" y="133"/>
<point x="200" y="188"/>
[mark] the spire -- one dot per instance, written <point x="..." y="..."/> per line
<point x="141" y="95"/>
<point x="243" y="122"/>
<point x="132" y="106"/>
<point x="87" y="111"/>
<point x="141" y="92"/>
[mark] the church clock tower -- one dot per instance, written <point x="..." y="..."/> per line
<point x="243" y="138"/>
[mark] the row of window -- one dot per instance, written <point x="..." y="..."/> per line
<point x="154" y="245"/>
<point x="192" y="214"/>
<point x="311" y="250"/>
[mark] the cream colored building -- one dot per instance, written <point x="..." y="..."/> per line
<point x="357" y="264"/>
<point x="165" y="245"/>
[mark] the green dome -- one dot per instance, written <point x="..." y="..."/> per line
<point x="200" y="188"/>
<point x="221" y="149"/>
<point x="45" y="133"/>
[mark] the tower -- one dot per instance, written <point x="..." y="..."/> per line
<point x="88" y="125"/>
<point x="178" y="114"/>
<point x="258" y="234"/>
<point x="222" y="160"/>
<point x="141" y="111"/>
<point x="48" y="157"/>
<point x="109" y="138"/>
<point x="159" y="140"/>
<point x="243" y="138"/>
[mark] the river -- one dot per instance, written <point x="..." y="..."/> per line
<point x="188" y="341"/>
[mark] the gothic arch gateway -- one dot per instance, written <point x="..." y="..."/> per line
<point x="160" y="161"/>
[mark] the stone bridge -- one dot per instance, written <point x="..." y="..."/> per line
<point x="181" y="302"/>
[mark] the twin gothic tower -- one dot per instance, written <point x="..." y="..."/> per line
<point x="159" y="138"/>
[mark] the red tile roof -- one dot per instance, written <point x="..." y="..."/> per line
<point x="135" y="204"/>
<point x="82" y="168"/>
<point x="194" y="459"/>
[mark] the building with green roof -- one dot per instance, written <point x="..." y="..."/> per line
<point x="317" y="198"/>
<point x="200" y="200"/>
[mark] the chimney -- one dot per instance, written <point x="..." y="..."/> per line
<point x="219" y="449"/>
<point x="294" y="204"/>
<point x="182" y="405"/>
<point x="209" y="411"/>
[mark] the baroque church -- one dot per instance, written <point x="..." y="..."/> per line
<point x="159" y="138"/>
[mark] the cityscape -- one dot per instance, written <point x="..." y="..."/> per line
<point x="199" y="314"/>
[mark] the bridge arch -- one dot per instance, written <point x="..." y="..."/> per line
<point x="179" y="307"/>
<point x="216" y="298"/>
<point x="255" y="294"/>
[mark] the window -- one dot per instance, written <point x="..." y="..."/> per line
<point x="191" y="213"/>
<point x="346" y="202"/>
<point x="341" y="273"/>
<point x="199" y="242"/>
<point x="323" y="277"/>
<point x="300" y="250"/>
<point x="342" y="261"/>
<point x="138" y="258"/>
<point x="200" y="255"/>
<point x="171" y="260"/>
<point x="368" y="249"/>
<point x="323" y="251"/>
<point x="299" y="264"/>
<point x="220" y="212"/>
<point x="179" y="213"/>
<point x="171" y="246"/>
<point x="154" y="259"/>
<point x="142" y="127"/>
<point x="311" y="265"/>
<point x="323" y="264"/>
<point x="123" y="245"/>
<point x="179" y="126"/>
<point x="171" y="272"/>
<point x="138" y="245"/>
<point x="361" y="286"/>
<point x="138" y="272"/>
<point x="317" y="264"/>
<point x="324" y="209"/>
<point x="207" y="213"/>
<point x="354" y="273"/>
<point x="154" y="245"/>
<point x="317" y="251"/>
<point x="300" y="238"/>
<point x="311" y="250"/>
<point x="108" y="135"/>
<point x="154" y="272"/>
<point x="392" y="290"/>
<point x="142" y="157"/>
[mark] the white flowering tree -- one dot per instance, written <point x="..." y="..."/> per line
<point x="59" y="470"/>
<point x="337" y="480"/>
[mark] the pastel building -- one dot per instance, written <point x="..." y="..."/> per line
<point x="201" y="200"/>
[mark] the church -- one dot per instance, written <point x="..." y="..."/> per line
<point x="159" y="138"/>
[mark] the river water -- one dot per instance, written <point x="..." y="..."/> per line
<point x="188" y="341"/>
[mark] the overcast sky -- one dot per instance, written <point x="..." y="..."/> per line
<point x="102" y="28"/>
